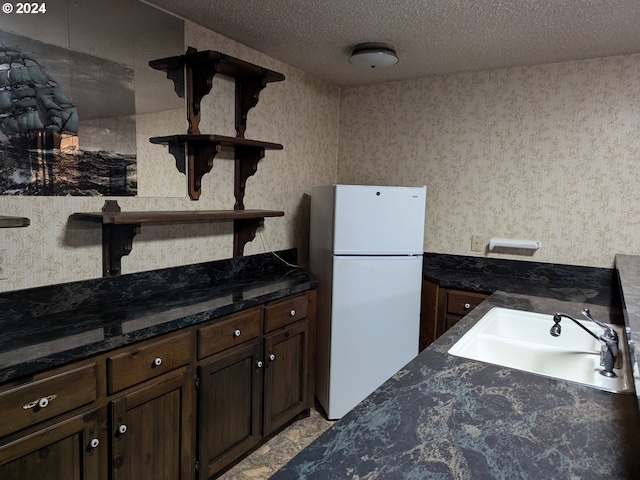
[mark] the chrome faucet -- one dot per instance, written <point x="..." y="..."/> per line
<point x="609" y="339"/>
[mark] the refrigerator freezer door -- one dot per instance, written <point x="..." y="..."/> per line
<point x="374" y="326"/>
<point x="372" y="220"/>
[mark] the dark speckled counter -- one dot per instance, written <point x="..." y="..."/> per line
<point x="628" y="268"/>
<point x="50" y="326"/>
<point x="591" y="285"/>
<point x="446" y="417"/>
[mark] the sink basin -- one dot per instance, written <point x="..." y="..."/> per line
<point x="521" y="340"/>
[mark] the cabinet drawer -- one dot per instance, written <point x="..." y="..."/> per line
<point x="41" y="400"/>
<point x="236" y="329"/>
<point x="461" y="302"/>
<point x="142" y="362"/>
<point x="285" y="311"/>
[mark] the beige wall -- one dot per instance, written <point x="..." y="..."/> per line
<point x="549" y="152"/>
<point x="301" y="113"/>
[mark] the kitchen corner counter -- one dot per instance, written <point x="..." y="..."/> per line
<point x="50" y="326"/>
<point x="628" y="267"/>
<point x="447" y="417"/>
<point x="590" y="285"/>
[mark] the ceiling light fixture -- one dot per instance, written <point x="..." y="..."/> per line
<point x="373" y="55"/>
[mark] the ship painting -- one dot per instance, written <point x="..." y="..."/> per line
<point x="35" y="114"/>
<point x="41" y="154"/>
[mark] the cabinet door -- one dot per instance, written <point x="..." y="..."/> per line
<point x="150" y="432"/>
<point x="230" y="400"/>
<point x="286" y="379"/>
<point x="69" y="450"/>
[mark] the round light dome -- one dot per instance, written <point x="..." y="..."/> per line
<point x="373" y="55"/>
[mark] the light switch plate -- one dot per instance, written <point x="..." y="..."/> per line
<point x="476" y="243"/>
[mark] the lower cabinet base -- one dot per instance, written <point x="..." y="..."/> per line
<point x="304" y="414"/>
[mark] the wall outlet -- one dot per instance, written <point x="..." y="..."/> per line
<point x="476" y="243"/>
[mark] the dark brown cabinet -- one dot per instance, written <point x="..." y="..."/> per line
<point x="286" y="392"/>
<point x="253" y="383"/>
<point x="442" y="308"/>
<point x="150" y="432"/>
<point x="230" y="406"/>
<point x="69" y="450"/>
<point x="183" y="405"/>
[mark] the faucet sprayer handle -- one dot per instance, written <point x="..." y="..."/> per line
<point x="587" y="313"/>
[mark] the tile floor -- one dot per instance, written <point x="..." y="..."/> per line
<point x="262" y="463"/>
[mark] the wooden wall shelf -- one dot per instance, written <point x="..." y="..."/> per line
<point x="194" y="157"/>
<point x="119" y="228"/>
<point x="194" y="73"/>
<point x="13" y="222"/>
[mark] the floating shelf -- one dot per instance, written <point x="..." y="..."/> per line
<point x="193" y="72"/>
<point x="194" y="156"/>
<point x="13" y="222"/>
<point x="119" y="228"/>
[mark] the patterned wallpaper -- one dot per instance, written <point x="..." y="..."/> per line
<point x="301" y="113"/>
<point x="549" y="153"/>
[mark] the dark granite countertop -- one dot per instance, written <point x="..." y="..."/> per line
<point x="50" y="326"/>
<point x="591" y="285"/>
<point x="445" y="417"/>
<point x="628" y="268"/>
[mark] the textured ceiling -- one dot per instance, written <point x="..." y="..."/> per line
<point x="432" y="37"/>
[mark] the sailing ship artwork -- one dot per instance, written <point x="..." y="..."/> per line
<point x="41" y="145"/>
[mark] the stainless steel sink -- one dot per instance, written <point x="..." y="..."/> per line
<point x="521" y="340"/>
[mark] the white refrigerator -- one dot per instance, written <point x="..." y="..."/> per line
<point x="365" y="249"/>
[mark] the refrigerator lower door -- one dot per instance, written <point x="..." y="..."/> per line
<point x="375" y="323"/>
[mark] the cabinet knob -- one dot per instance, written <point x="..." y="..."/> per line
<point x="94" y="443"/>
<point x="292" y="313"/>
<point x="236" y="333"/>
<point x="157" y="361"/>
<point x="122" y="429"/>
<point x="467" y="306"/>
<point x="259" y="364"/>
<point x="272" y="357"/>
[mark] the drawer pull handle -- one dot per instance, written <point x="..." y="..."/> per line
<point x="272" y="357"/>
<point x="40" y="403"/>
<point x="467" y="306"/>
<point x="259" y="364"/>
<point x="292" y="313"/>
<point x="122" y="429"/>
<point x="157" y="362"/>
<point x="236" y="333"/>
<point x="94" y="443"/>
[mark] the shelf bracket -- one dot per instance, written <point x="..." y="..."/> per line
<point x="199" y="83"/>
<point x="246" y="165"/>
<point x="117" y="241"/>
<point x="176" y="75"/>
<point x="176" y="148"/>
<point x="244" y="231"/>
<point x="198" y="162"/>
<point x="247" y="95"/>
